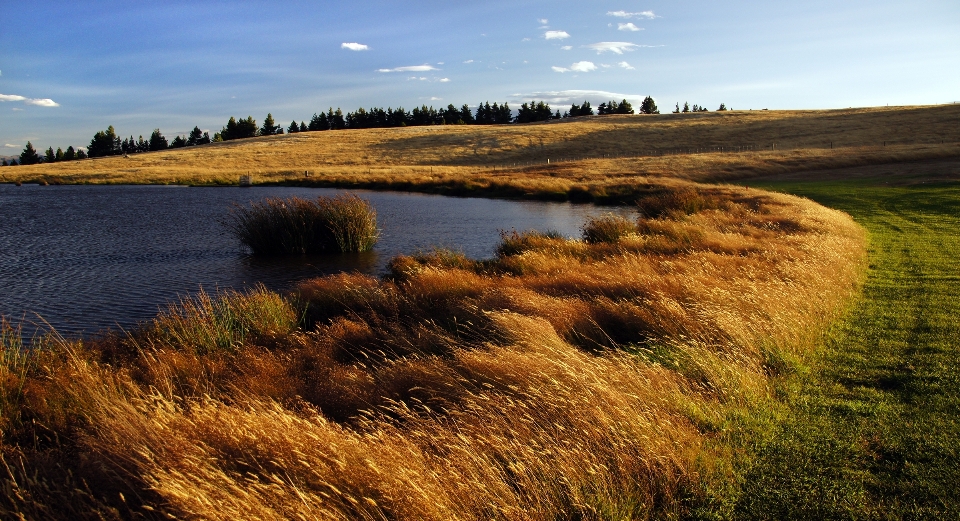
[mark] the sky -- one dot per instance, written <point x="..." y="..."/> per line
<point x="69" y="69"/>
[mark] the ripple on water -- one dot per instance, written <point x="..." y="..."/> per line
<point x="87" y="258"/>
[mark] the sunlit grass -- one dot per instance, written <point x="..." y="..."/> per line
<point x="560" y="379"/>
<point x="340" y="224"/>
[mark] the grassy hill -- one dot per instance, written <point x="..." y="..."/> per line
<point x="586" y="155"/>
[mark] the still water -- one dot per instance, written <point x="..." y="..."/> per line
<point x="87" y="258"/>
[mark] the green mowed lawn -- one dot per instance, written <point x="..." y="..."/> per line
<point x="873" y="423"/>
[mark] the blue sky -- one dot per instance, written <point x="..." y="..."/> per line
<point x="68" y="69"/>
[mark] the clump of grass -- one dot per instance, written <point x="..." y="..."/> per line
<point x="341" y="224"/>
<point x="205" y="324"/>
<point x="608" y="228"/>
<point x="686" y="200"/>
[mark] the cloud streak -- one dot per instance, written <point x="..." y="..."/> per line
<point x="624" y="14"/>
<point x="353" y="46"/>
<point x="577" y="67"/>
<point x="411" y="68"/>
<point x="556" y="35"/>
<point x="614" y="47"/>
<point x="628" y="27"/>
<point x="38" y="102"/>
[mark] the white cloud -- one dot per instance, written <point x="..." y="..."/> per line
<point x="444" y="80"/>
<point x="627" y="66"/>
<point x="628" y="27"/>
<point x="468" y="61"/>
<point x="624" y="14"/>
<point x="567" y="47"/>
<point x="543" y="21"/>
<point x="434" y="98"/>
<point x="411" y="68"/>
<point x="614" y="47"/>
<point x="45" y="102"/>
<point x="39" y="102"/>
<point x="355" y="46"/>
<point x="8" y="145"/>
<point x="439" y="63"/>
<point x="577" y="67"/>
<point x="525" y="40"/>
<point x="556" y="35"/>
<point x="563" y="97"/>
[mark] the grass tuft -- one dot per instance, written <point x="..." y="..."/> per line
<point x="341" y="224"/>
<point x="608" y="228"/>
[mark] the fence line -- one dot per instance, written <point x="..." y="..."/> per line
<point x="676" y="151"/>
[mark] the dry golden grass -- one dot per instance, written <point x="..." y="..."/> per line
<point x="591" y="158"/>
<point x="561" y="380"/>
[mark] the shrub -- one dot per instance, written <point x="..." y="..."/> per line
<point x="683" y="201"/>
<point x="608" y="228"/>
<point x="344" y="223"/>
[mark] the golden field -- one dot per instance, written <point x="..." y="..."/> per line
<point x="611" y="377"/>
<point x="589" y="157"/>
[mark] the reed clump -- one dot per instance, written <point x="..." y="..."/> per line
<point x="562" y="379"/>
<point x="341" y="224"/>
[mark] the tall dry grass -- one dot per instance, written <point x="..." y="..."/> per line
<point x="342" y="224"/>
<point x="560" y="380"/>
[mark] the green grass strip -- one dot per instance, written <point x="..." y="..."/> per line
<point x="873" y="423"/>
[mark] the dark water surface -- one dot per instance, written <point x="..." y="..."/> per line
<point x="87" y="258"/>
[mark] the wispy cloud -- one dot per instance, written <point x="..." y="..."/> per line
<point x="577" y="67"/>
<point x="558" y="97"/>
<point x="8" y="145"/>
<point x="355" y="46"/>
<point x="566" y="47"/>
<point x="444" y="80"/>
<point x="628" y="27"/>
<point x="614" y="47"/>
<point x="45" y="102"/>
<point x="411" y="68"/>
<point x="468" y="61"/>
<point x="627" y="66"/>
<point x="624" y="14"/>
<point x="39" y="102"/>
<point x="556" y="35"/>
<point x="543" y="21"/>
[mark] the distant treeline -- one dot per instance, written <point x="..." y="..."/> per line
<point x="696" y="108"/>
<point x="108" y="143"/>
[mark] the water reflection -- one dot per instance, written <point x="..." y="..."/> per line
<point x="92" y="257"/>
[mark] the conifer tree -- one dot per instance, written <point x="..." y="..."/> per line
<point x="104" y="143"/>
<point x="677" y="110"/>
<point x="49" y="156"/>
<point x="269" y="127"/>
<point x="624" y="107"/>
<point x="649" y="106"/>
<point x="29" y="155"/>
<point x="157" y="141"/>
<point x="59" y="155"/>
<point x="722" y="108"/>
<point x="195" y="137"/>
<point x="81" y="154"/>
<point x="303" y="127"/>
<point x="293" y="128"/>
<point x="178" y="142"/>
<point x="686" y="108"/>
<point x="70" y="154"/>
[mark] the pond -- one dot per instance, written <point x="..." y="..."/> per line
<point x="81" y="259"/>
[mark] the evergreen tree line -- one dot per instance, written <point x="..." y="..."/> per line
<point x="108" y="143"/>
<point x="696" y="108"/>
<point x="30" y="156"/>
